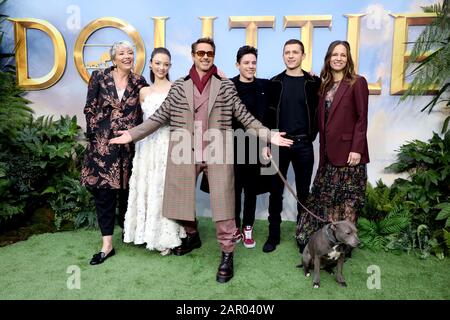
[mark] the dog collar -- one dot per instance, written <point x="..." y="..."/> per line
<point x="331" y="237"/>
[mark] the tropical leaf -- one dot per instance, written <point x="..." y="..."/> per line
<point x="444" y="213"/>
<point x="445" y="125"/>
<point x="366" y="226"/>
<point x="394" y="223"/>
<point x="447" y="238"/>
<point x="433" y="70"/>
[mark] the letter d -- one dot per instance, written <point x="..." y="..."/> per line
<point x="59" y="47"/>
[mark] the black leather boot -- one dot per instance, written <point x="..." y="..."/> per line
<point x="225" y="272"/>
<point x="274" y="238"/>
<point x="191" y="242"/>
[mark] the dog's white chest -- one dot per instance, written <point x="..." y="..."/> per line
<point x="334" y="254"/>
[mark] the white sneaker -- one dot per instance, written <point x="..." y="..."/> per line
<point x="248" y="237"/>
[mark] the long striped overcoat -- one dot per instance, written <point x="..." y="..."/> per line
<point x="177" y="111"/>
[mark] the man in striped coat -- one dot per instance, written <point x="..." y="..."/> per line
<point x="199" y="108"/>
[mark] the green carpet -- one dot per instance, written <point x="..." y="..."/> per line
<point x="37" y="269"/>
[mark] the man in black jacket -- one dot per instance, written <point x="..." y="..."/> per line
<point x="254" y="93"/>
<point x="296" y="114"/>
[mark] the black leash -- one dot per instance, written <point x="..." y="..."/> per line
<point x="293" y="193"/>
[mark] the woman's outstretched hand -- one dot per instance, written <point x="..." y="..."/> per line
<point x="124" y="138"/>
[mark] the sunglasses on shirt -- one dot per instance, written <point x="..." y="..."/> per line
<point x="202" y="53"/>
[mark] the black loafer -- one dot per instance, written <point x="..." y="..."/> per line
<point x="101" y="257"/>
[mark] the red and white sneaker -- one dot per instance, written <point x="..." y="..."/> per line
<point x="248" y="237"/>
<point x="237" y="236"/>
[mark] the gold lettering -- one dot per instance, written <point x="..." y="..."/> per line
<point x="59" y="49"/>
<point x="208" y="27"/>
<point x="399" y="53"/>
<point x="251" y="25"/>
<point x="106" y="22"/>
<point x="353" y="32"/>
<point x="307" y="23"/>
<point x="159" y="31"/>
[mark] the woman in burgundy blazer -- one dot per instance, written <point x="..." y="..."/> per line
<point x="339" y="187"/>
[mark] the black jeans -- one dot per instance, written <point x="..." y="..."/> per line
<point x="302" y="156"/>
<point x="106" y="201"/>
<point x="246" y="175"/>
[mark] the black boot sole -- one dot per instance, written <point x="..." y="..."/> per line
<point x="182" y="253"/>
<point x="223" y="279"/>
<point x="270" y="246"/>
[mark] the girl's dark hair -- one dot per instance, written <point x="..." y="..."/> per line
<point x="326" y="74"/>
<point x="154" y="52"/>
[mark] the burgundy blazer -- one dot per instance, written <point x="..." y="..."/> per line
<point x="346" y="127"/>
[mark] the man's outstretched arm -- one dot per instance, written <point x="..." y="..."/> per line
<point x="158" y="119"/>
<point x="244" y="116"/>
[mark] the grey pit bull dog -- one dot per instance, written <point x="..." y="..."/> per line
<point x="327" y="248"/>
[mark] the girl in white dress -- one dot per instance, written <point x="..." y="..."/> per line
<point x="144" y="222"/>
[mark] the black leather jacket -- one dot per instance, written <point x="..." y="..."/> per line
<point x="312" y="85"/>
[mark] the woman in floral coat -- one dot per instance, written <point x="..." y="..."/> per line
<point x="112" y="104"/>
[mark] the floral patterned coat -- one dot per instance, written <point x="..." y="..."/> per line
<point x="109" y="166"/>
